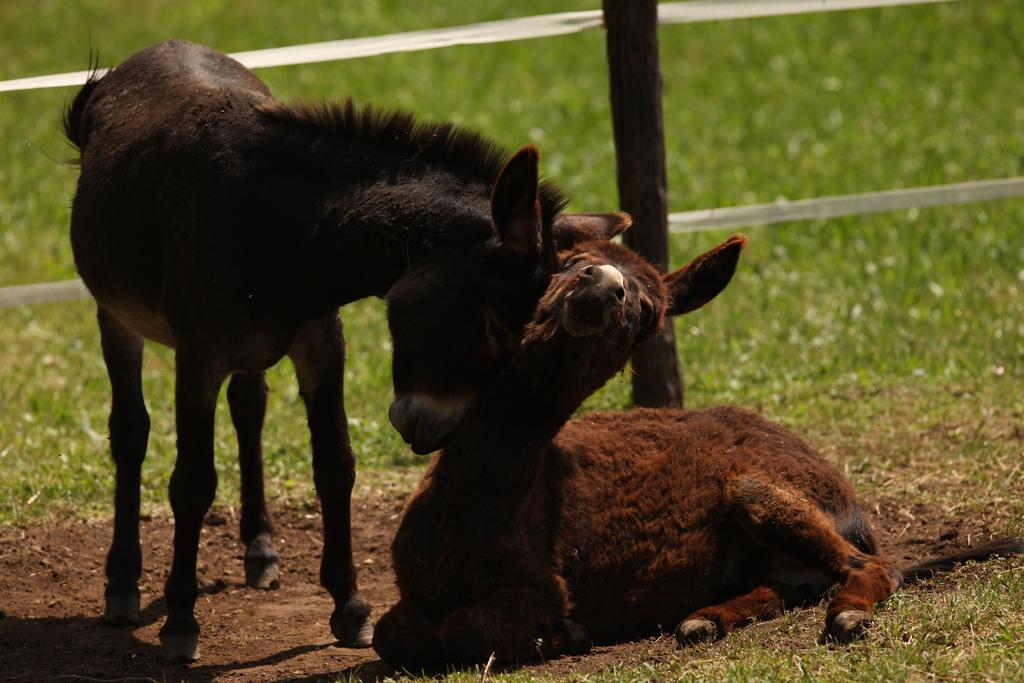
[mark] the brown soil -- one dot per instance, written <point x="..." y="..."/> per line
<point x="51" y="593"/>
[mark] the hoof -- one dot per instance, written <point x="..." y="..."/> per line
<point x="261" y="564"/>
<point x="262" y="573"/>
<point x="351" y="624"/>
<point x="849" y="625"/>
<point x="577" y="638"/>
<point x="693" y="631"/>
<point x="179" y="648"/>
<point x="122" y="609"/>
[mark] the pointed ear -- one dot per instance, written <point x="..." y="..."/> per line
<point x="515" y="203"/>
<point x="701" y="280"/>
<point x="572" y="228"/>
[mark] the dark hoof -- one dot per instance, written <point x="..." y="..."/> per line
<point x="849" y="625"/>
<point x="351" y="624"/>
<point x="179" y="640"/>
<point x="179" y="648"/>
<point x="693" y="631"/>
<point x="262" y="573"/>
<point x="122" y="609"/>
<point x="576" y="637"/>
<point x="261" y="564"/>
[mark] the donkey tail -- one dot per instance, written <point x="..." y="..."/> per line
<point x="73" y="114"/>
<point x="1010" y="545"/>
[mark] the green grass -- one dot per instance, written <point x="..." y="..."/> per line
<point x="894" y="341"/>
<point x="970" y="631"/>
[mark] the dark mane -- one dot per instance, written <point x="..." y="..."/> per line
<point x="442" y="143"/>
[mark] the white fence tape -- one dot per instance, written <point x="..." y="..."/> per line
<point x="846" y="205"/>
<point x="43" y="293"/>
<point x="498" y="32"/>
<point x="561" y="24"/>
<point x="695" y="221"/>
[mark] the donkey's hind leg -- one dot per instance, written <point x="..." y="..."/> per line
<point x="247" y="398"/>
<point x="867" y="581"/>
<point x="785" y="520"/>
<point x="129" y="432"/>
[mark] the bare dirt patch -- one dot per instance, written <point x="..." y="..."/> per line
<point x="51" y="596"/>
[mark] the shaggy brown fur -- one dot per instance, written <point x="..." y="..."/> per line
<point x="526" y="545"/>
<point x="214" y="220"/>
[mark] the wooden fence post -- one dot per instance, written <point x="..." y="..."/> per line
<point x="632" y="35"/>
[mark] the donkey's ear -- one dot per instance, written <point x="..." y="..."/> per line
<point x="572" y="228"/>
<point x="701" y="280"/>
<point x="515" y="204"/>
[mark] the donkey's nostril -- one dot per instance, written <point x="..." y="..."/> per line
<point x="620" y="293"/>
<point x="588" y="271"/>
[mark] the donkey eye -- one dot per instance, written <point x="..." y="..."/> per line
<point x="574" y="260"/>
<point x="646" y="316"/>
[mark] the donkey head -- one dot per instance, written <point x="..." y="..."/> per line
<point x="455" y="321"/>
<point x="606" y="300"/>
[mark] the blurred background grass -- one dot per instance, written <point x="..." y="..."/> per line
<point x="846" y="329"/>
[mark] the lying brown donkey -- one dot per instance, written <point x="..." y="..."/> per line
<point x="523" y="543"/>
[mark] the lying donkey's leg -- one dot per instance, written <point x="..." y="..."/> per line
<point x="406" y="639"/>
<point x="709" y="623"/>
<point x="785" y="520"/>
<point x="129" y="432"/>
<point x="870" y="579"/>
<point x="767" y="601"/>
<point x="247" y="398"/>
<point x="516" y="624"/>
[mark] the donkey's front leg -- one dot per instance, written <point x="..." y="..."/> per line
<point x="247" y="398"/>
<point x="767" y="601"/>
<point x="193" y="484"/>
<point x="129" y="431"/>
<point x="318" y="353"/>
<point x="406" y="638"/>
<point x="516" y="624"/>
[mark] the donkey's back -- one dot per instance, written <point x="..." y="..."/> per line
<point x="149" y="87"/>
<point x="169" y="146"/>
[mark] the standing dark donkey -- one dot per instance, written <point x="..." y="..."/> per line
<point x="231" y="227"/>
<point x="524" y="544"/>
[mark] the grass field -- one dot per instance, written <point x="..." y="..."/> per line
<point x="895" y="341"/>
